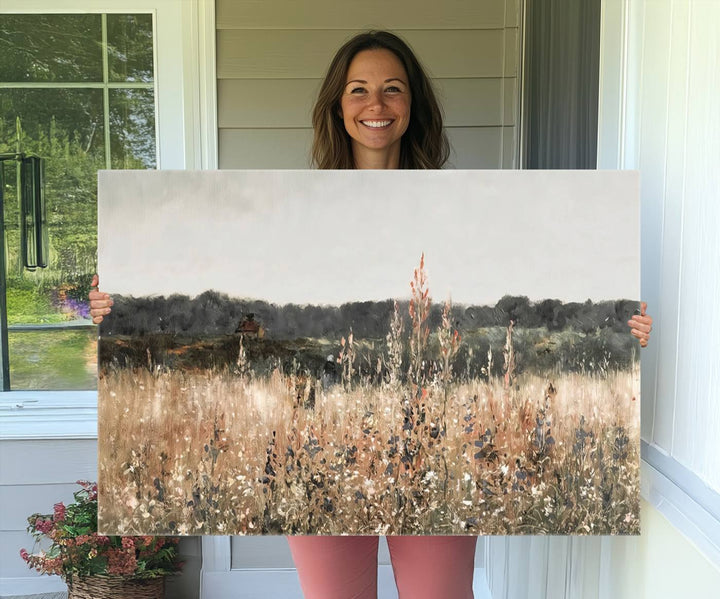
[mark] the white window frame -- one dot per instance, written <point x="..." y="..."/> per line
<point x="677" y="492"/>
<point x="186" y="130"/>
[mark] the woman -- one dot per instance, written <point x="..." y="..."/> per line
<point x="376" y="110"/>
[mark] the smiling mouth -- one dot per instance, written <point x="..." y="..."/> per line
<point x="377" y="124"/>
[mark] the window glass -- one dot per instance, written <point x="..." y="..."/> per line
<point x="52" y="343"/>
<point x="132" y="128"/>
<point x="130" y="47"/>
<point x="54" y="359"/>
<point x="37" y="48"/>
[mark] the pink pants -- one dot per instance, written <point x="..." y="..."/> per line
<point x="346" y="567"/>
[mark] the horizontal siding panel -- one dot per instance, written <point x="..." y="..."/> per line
<point x="253" y="54"/>
<point x="471" y="147"/>
<point x="512" y="13"/>
<point x="471" y="102"/>
<point x="11" y="564"/>
<point x="19" y="501"/>
<point x="276" y="103"/>
<point x="370" y="14"/>
<point x="264" y="103"/>
<point x="38" y="462"/>
<point x="475" y="147"/>
<point x="264" y="148"/>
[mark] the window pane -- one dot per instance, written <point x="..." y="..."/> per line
<point x="52" y="118"/>
<point x="57" y="360"/>
<point x="65" y="127"/>
<point x="50" y="48"/>
<point x="132" y="128"/>
<point x="130" y="47"/>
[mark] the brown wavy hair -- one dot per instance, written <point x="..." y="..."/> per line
<point x="423" y="146"/>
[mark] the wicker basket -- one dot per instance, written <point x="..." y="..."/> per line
<point x="116" y="587"/>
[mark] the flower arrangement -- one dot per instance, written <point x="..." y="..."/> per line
<point x="77" y="551"/>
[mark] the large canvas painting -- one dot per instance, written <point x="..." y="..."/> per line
<point x="369" y="352"/>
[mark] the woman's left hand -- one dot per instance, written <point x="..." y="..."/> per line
<point x="641" y="325"/>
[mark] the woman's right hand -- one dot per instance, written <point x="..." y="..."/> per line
<point x="99" y="302"/>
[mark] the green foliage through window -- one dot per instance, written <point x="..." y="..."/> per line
<point x="77" y="90"/>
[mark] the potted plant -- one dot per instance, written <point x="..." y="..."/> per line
<point x="96" y="566"/>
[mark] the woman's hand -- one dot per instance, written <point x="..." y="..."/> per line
<point x="641" y="325"/>
<point x="99" y="302"/>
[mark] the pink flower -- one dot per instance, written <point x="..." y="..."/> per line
<point x="121" y="562"/>
<point x="24" y="555"/>
<point x="128" y="543"/>
<point x="43" y="526"/>
<point x="59" y="512"/>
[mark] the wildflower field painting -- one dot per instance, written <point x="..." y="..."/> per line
<point x="369" y="352"/>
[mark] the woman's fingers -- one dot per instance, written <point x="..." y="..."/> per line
<point x="641" y="325"/>
<point x="643" y="337"/>
<point x="99" y="302"/>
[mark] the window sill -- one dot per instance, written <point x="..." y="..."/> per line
<point x="48" y="415"/>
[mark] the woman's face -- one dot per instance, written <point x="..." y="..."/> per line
<point x="375" y="104"/>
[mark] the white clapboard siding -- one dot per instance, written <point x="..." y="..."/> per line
<point x="307" y="53"/>
<point x="264" y="148"/>
<point x="20" y="500"/>
<point x="471" y="147"/>
<point x="288" y="103"/>
<point x="399" y="14"/>
<point x="34" y="475"/>
<point x="47" y="462"/>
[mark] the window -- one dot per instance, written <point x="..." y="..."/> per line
<point x="77" y="90"/>
<point x="186" y="125"/>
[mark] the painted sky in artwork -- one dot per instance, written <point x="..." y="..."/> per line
<point x="328" y="237"/>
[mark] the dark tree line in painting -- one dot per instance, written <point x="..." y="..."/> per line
<point x="204" y="332"/>
<point x="213" y="313"/>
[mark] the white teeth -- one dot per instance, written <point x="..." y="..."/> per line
<point x="376" y="123"/>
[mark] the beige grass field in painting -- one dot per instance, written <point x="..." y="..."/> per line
<point x="211" y="452"/>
